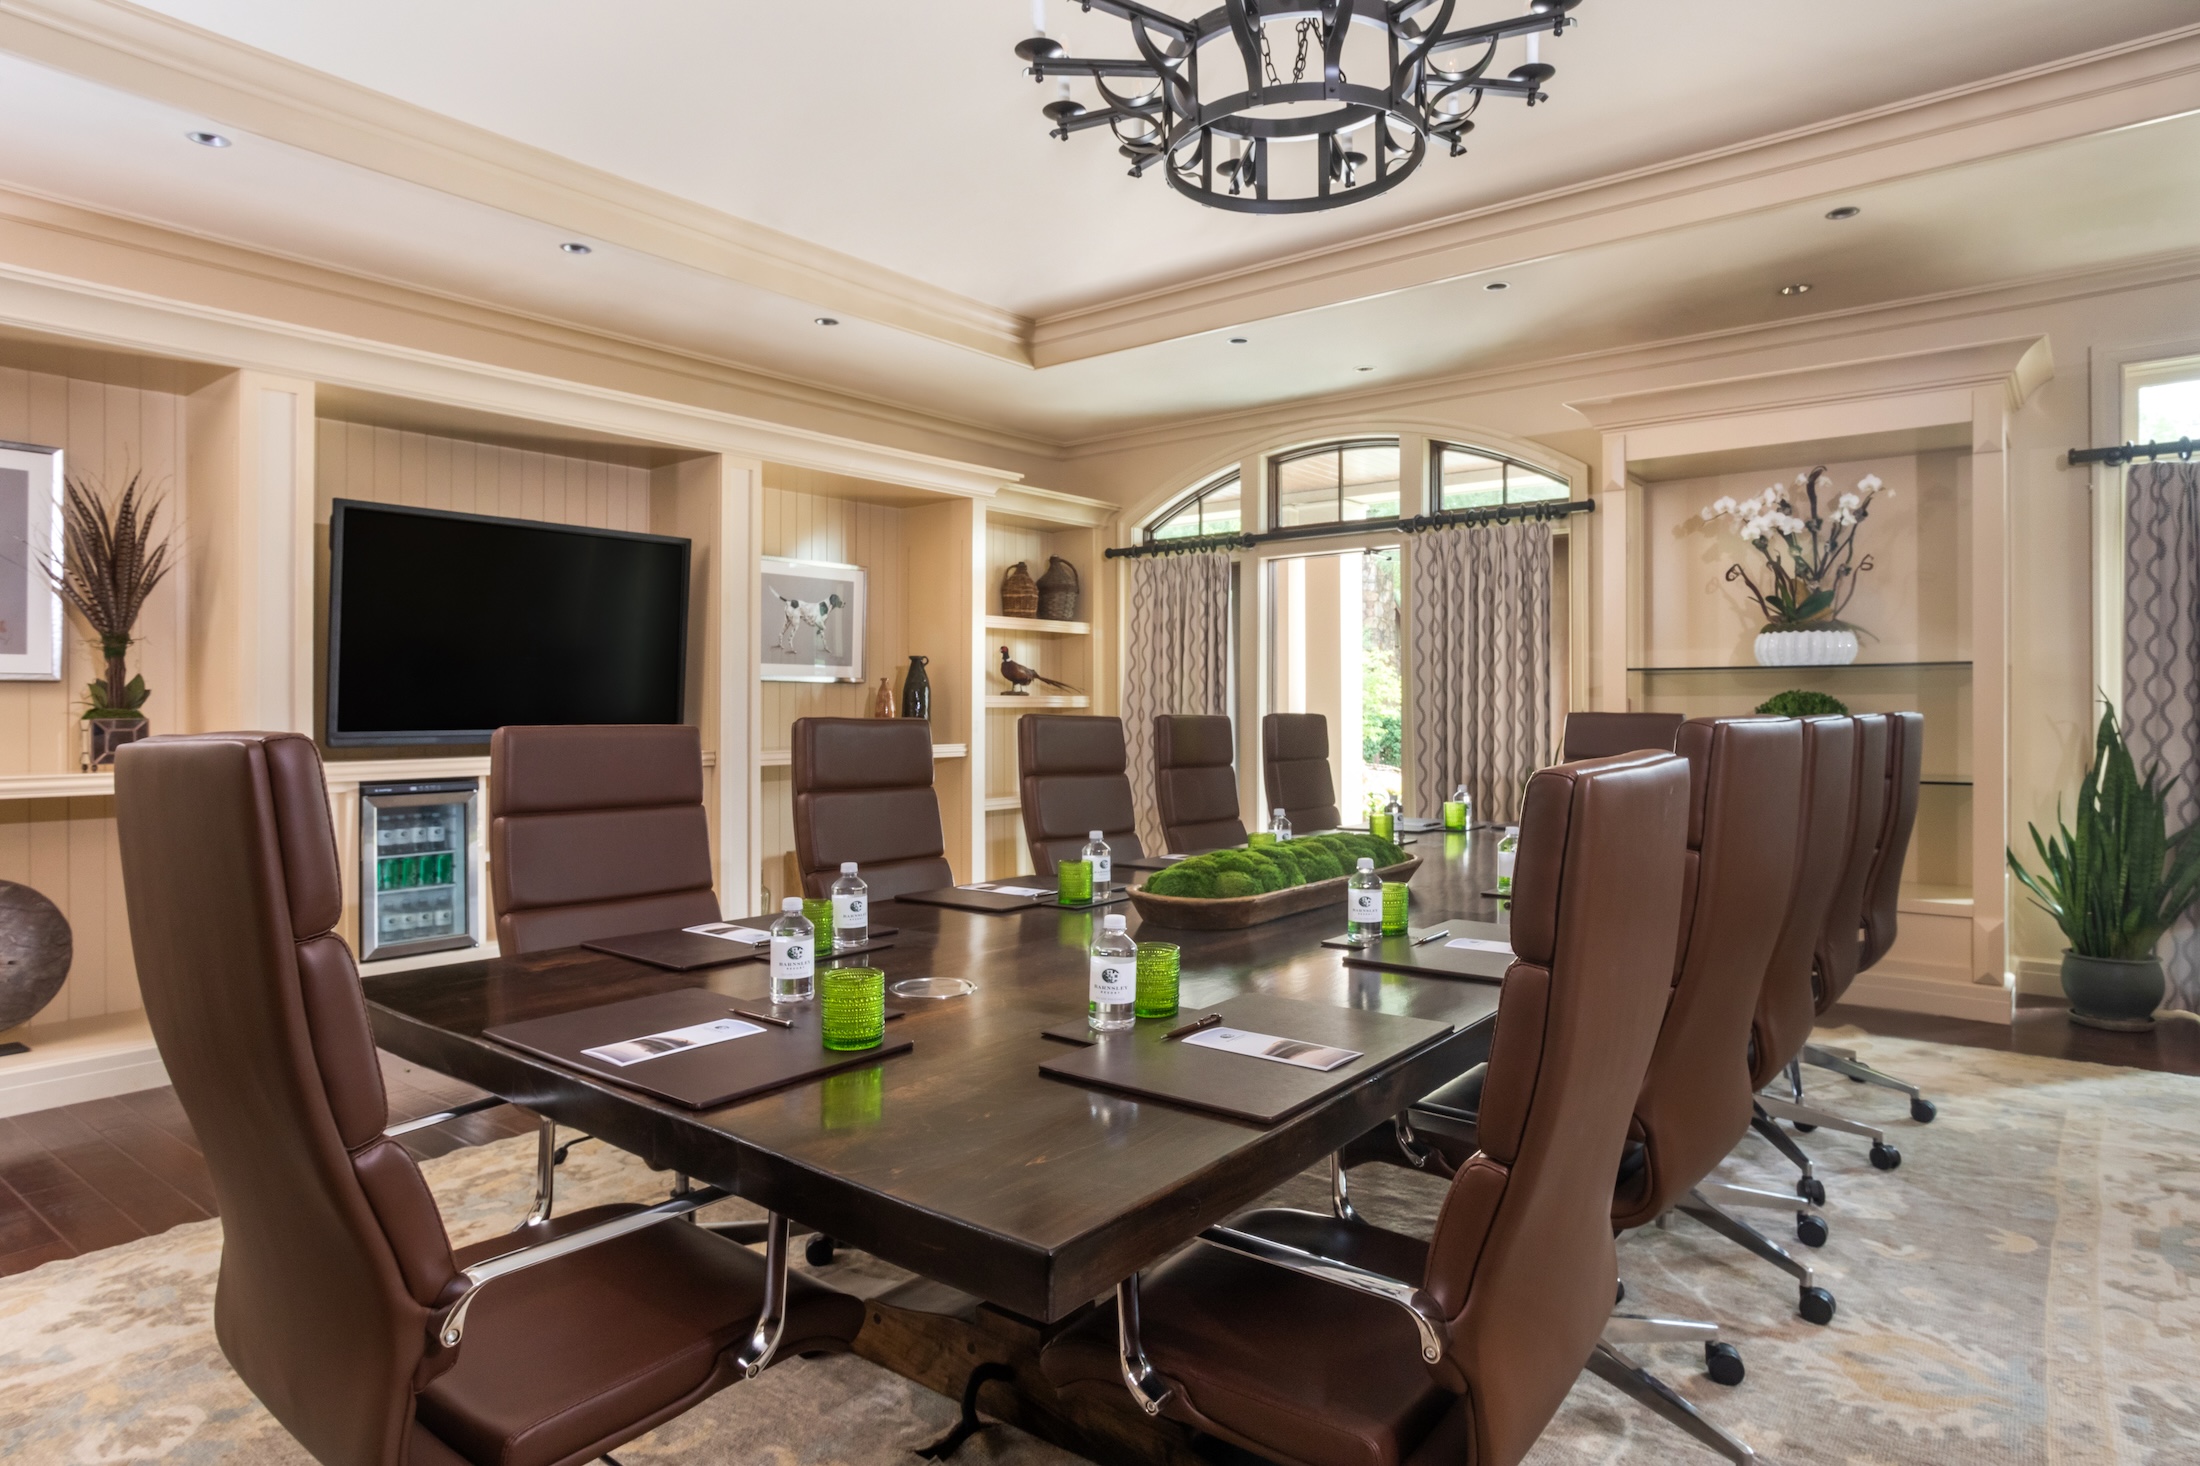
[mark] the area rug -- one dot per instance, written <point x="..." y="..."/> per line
<point x="2022" y="1289"/>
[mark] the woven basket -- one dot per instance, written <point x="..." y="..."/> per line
<point x="1019" y="592"/>
<point x="1058" y="590"/>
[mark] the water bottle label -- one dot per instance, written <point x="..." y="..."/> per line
<point x="1114" y="979"/>
<point x="1367" y="905"/>
<point x="851" y="911"/>
<point x="1101" y="865"/>
<point x="792" y="959"/>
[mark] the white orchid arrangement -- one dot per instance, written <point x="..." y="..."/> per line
<point x="1810" y="553"/>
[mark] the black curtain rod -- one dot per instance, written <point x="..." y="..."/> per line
<point x="2182" y="448"/>
<point x="1542" y="509"/>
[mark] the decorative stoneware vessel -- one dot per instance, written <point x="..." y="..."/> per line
<point x="1805" y="648"/>
<point x="2113" y="992"/>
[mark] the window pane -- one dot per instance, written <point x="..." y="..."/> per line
<point x="1219" y="509"/>
<point x="2169" y="411"/>
<point x="1306" y="489"/>
<point x="1370" y="476"/>
<point x="1181" y="525"/>
<point x="1525" y="484"/>
<point x="1470" y="481"/>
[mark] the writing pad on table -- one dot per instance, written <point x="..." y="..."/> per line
<point x="1439" y="958"/>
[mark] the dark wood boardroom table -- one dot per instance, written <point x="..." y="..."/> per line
<point x="959" y="1161"/>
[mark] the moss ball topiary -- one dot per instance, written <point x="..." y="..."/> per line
<point x="1236" y="883"/>
<point x="1798" y="703"/>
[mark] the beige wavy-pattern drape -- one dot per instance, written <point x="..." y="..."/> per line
<point x="2161" y="713"/>
<point x="1177" y="660"/>
<point x="1480" y="608"/>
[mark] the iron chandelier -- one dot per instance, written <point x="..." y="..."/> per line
<point x="1208" y="104"/>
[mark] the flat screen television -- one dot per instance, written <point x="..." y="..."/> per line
<point x="445" y="627"/>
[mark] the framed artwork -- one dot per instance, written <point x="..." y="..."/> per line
<point x="812" y="621"/>
<point x="30" y="543"/>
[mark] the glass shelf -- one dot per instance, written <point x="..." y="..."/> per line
<point x="1822" y="667"/>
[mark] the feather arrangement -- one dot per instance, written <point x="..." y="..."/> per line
<point x="114" y="558"/>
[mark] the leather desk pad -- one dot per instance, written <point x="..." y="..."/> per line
<point x="697" y="1079"/>
<point x="1140" y="1063"/>
<point x="685" y="951"/>
<point x="999" y="902"/>
<point x="1435" y="959"/>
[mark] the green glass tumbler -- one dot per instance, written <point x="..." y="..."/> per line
<point x="1259" y="838"/>
<point x="1157" y="972"/>
<point x="1073" y="883"/>
<point x="851" y="1007"/>
<point x="818" y="912"/>
<point x="1455" y="814"/>
<point x="1394" y="908"/>
<point x="1380" y="825"/>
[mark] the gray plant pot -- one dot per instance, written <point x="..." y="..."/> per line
<point x="2113" y="992"/>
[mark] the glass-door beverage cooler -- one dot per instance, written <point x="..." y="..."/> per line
<point x="415" y="867"/>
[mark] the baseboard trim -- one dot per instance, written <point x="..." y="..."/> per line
<point x="42" y="1080"/>
<point x="1907" y="994"/>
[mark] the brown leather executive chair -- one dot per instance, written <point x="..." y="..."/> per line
<point x="1311" y="1339"/>
<point x="1071" y="773"/>
<point x="863" y="792"/>
<point x="1294" y="761"/>
<point x="1195" y="782"/>
<point x="1697" y="1101"/>
<point x="1843" y="958"/>
<point x="341" y="1303"/>
<point x="1600" y="735"/>
<point x="596" y="831"/>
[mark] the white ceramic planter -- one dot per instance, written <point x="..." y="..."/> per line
<point x="1805" y="648"/>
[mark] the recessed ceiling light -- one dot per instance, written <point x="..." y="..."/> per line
<point x="1846" y="211"/>
<point x="1799" y="288"/>
<point x="1366" y="369"/>
<point x="1497" y="285"/>
<point x="575" y="247"/>
<point x="1237" y="340"/>
<point x="828" y="320"/>
<point x="208" y="139"/>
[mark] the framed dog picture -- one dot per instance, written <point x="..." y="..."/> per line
<point x="812" y="621"/>
<point x="30" y="544"/>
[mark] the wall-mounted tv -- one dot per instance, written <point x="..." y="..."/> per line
<point x="445" y="627"/>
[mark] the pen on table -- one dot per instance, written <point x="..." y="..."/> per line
<point x="1432" y="936"/>
<point x="763" y="1018"/>
<point x="1193" y="1027"/>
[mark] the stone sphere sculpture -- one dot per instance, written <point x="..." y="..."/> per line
<point x="35" y="949"/>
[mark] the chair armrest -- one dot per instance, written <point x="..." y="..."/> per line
<point x="1428" y="1319"/>
<point x="471" y="1107"/>
<point x="453" y="1327"/>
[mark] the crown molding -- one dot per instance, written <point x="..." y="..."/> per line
<point x="152" y="55"/>
<point x="2119" y="86"/>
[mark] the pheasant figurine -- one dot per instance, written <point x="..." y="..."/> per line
<point x="1020" y="677"/>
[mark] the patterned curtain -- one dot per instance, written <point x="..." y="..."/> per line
<point x="1480" y="606"/>
<point x="1178" y="660"/>
<point x="2161" y="713"/>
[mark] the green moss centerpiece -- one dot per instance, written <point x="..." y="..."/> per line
<point x="1246" y="886"/>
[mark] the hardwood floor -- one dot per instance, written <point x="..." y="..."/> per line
<point x="107" y="1171"/>
<point x="2043" y="1027"/>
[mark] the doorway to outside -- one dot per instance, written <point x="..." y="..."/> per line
<point x="1333" y="644"/>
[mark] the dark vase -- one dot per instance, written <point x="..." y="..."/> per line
<point x="109" y="734"/>
<point x="1058" y="591"/>
<point x="916" y="690"/>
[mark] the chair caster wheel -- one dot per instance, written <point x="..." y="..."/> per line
<point x="818" y="1251"/>
<point x="1816" y="1306"/>
<point x="1856" y="1079"/>
<point x="1801" y="1128"/>
<point x="1923" y="1111"/>
<point x="1812" y="1190"/>
<point x="1723" y="1362"/>
<point x="1811" y="1229"/>
<point x="1885" y="1156"/>
<point x="1620" y="1296"/>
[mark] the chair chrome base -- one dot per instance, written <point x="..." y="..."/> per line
<point x="1645" y="1388"/>
<point x="1845" y="1062"/>
<point x="1814" y="1303"/>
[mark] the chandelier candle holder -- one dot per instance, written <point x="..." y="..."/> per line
<point x="1810" y="566"/>
<point x="1371" y="84"/>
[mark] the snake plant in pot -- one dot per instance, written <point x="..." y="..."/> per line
<point x="2114" y="885"/>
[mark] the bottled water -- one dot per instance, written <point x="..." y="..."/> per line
<point x="1364" y="905"/>
<point x="1279" y="825"/>
<point x="851" y="909"/>
<point x="1114" y="976"/>
<point x="1103" y="862"/>
<point x="1467" y="800"/>
<point x="794" y="954"/>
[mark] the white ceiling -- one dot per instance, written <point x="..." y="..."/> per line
<point x="938" y="167"/>
<point x="902" y="131"/>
